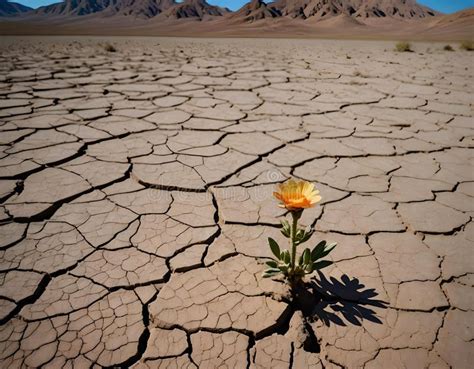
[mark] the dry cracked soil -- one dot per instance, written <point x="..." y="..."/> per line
<point x="136" y="201"/>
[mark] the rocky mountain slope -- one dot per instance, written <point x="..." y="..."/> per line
<point x="255" y="10"/>
<point x="407" y="9"/>
<point x="75" y="7"/>
<point x="138" y="8"/>
<point x="8" y="9"/>
<point x="198" y="9"/>
<point x="393" y="19"/>
<point x="250" y="12"/>
<point x="304" y="9"/>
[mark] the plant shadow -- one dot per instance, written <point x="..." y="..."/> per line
<point x="338" y="301"/>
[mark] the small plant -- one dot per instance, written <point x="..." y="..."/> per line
<point x="403" y="47"/>
<point x="360" y="74"/>
<point x="448" y="48"/>
<point x="109" y="48"/>
<point x="295" y="197"/>
<point x="467" y="45"/>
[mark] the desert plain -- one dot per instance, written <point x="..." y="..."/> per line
<point x="136" y="201"/>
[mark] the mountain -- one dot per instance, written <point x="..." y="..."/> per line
<point x="8" y="9"/>
<point x="304" y="9"/>
<point x="256" y="19"/>
<point x="338" y="22"/>
<point x="255" y="10"/>
<point x="136" y="8"/>
<point x="464" y="17"/>
<point x="197" y="9"/>
<point x="458" y="25"/>
<point x="139" y="8"/>
<point x="407" y="9"/>
<point x="75" y="7"/>
<point x="321" y="9"/>
<point x="250" y="12"/>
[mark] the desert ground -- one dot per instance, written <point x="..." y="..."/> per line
<point x="136" y="202"/>
<point x="449" y="28"/>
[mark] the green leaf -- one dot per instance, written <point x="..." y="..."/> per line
<point x="274" y="247"/>
<point x="302" y="235"/>
<point x="270" y="272"/>
<point x="328" y="249"/>
<point x="285" y="256"/>
<point x="306" y="256"/>
<point x="268" y="275"/>
<point x="322" y="264"/>
<point x="318" y="250"/>
<point x="272" y="264"/>
<point x="306" y="236"/>
<point x="285" y="230"/>
<point x="309" y="267"/>
<point x="284" y="268"/>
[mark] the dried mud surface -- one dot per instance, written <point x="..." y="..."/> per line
<point x="136" y="201"/>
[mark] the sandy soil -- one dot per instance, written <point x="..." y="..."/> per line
<point x="136" y="203"/>
<point x="456" y="27"/>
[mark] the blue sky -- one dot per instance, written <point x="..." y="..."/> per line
<point x="445" y="6"/>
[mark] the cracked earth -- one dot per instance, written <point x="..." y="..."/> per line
<point x="136" y="201"/>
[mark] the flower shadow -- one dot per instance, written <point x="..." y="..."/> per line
<point x="338" y="301"/>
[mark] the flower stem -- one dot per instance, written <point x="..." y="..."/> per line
<point x="294" y="229"/>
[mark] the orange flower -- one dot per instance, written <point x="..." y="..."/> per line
<point x="296" y="195"/>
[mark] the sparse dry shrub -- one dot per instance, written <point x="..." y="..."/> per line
<point x="109" y="48"/>
<point x="467" y="45"/>
<point x="358" y="73"/>
<point x="403" y="47"/>
<point x="448" y="48"/>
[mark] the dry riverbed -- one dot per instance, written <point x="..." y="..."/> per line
<point x="136" y="202"/>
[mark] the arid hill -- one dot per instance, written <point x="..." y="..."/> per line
<point x="137" y="8"/>
<point x="197" y="9"/>
<point x="254" y="11"/>
<point x="407" y="9"/>
<point x="140" y="8"/>
<point x="12" y="9"/>
<point x="303" y="9"/>
<point x="465" y="17"/>
<point x="75" y="7"/>
<point x="321" y="9"/>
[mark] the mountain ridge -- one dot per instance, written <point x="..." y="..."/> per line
<point x="250" y="12"/>
<point x="108" y="8"/>
<point x="321" y="9"/>
<point x="197" y="9"/>
<point x="8" y="8"/>
<point x="253" y="11"/>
